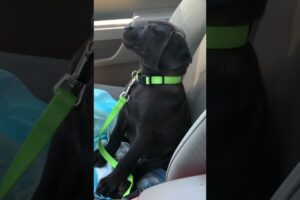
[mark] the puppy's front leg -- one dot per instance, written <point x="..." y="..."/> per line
<point x="115" y="139"/>
<point x="109" y="185"/>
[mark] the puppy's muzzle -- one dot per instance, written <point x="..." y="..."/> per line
<point x="129" y="33"/>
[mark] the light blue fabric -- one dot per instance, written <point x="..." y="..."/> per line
<point x="103" y="104"/>
<point x="19" y="110"/>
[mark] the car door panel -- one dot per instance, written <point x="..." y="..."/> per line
<point x="120" y="9"/>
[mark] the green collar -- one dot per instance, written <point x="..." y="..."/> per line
<point x="158" y="80"/>
<point x="226" y="37"/>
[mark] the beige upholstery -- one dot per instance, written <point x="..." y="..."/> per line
<point x="190" y="15"/>
<point x="191" y="188"/>
<point x="195" y="81"/>
<point x="189" y="159"/>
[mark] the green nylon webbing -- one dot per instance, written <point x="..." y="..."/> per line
<point x="57" y="110"/>
<point x="226" y="37"/>
<point x="121" y="102"/>
<point x="156" y="80"/>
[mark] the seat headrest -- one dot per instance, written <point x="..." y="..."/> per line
<point x="190" y="16"/>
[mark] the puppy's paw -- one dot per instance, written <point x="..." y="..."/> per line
<point x="107" y="187"/>
<point x="123" y="188"/>
<point x="98" y="160"/>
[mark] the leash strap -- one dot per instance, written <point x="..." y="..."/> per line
<point x="119" y="105"/>
<point x="226" y="37"/>
<point x="41" y="133"/>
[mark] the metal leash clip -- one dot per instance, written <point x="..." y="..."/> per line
<point x="125" y="94"/>
<point x="135" y="74"/>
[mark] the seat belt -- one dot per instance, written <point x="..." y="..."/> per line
<point x="68" y="94"/>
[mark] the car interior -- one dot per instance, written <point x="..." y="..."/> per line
<point x="186" y="174"/>
<point x="113" y="63"/>
<point x="279" y="62"/>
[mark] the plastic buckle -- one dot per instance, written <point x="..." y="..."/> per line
<point x="125" y="95"/>
<point x="86" y="54"/>
<point x="71" y="84"/>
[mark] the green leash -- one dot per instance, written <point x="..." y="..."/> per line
<point x="121" y="102"/>
<point x="40" y="135"/>
<point x="124" y="97"/>
<point x="226" y="37"/>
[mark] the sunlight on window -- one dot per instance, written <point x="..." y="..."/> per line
<point x="116" y="23"/>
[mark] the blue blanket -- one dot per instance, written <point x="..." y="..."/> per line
<point x="19" y="110"/>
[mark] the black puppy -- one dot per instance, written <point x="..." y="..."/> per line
<point x="156" y="117"/>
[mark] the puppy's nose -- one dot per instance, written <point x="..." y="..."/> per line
<point x="128" y="28"/>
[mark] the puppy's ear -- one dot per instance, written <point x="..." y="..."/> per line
<point x="176" y="56"/>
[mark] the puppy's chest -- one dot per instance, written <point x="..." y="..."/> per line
<point x="135" y="105"/>
<point x="149" y="103"/>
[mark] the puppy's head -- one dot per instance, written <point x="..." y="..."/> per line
<point x="160" y="45"/>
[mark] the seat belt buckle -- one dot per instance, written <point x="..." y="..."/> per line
<point x="125" y="95"/>
<point x="83" y="60"/>
<point x="71" y="84"/>
<point x="71" y="81"/>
